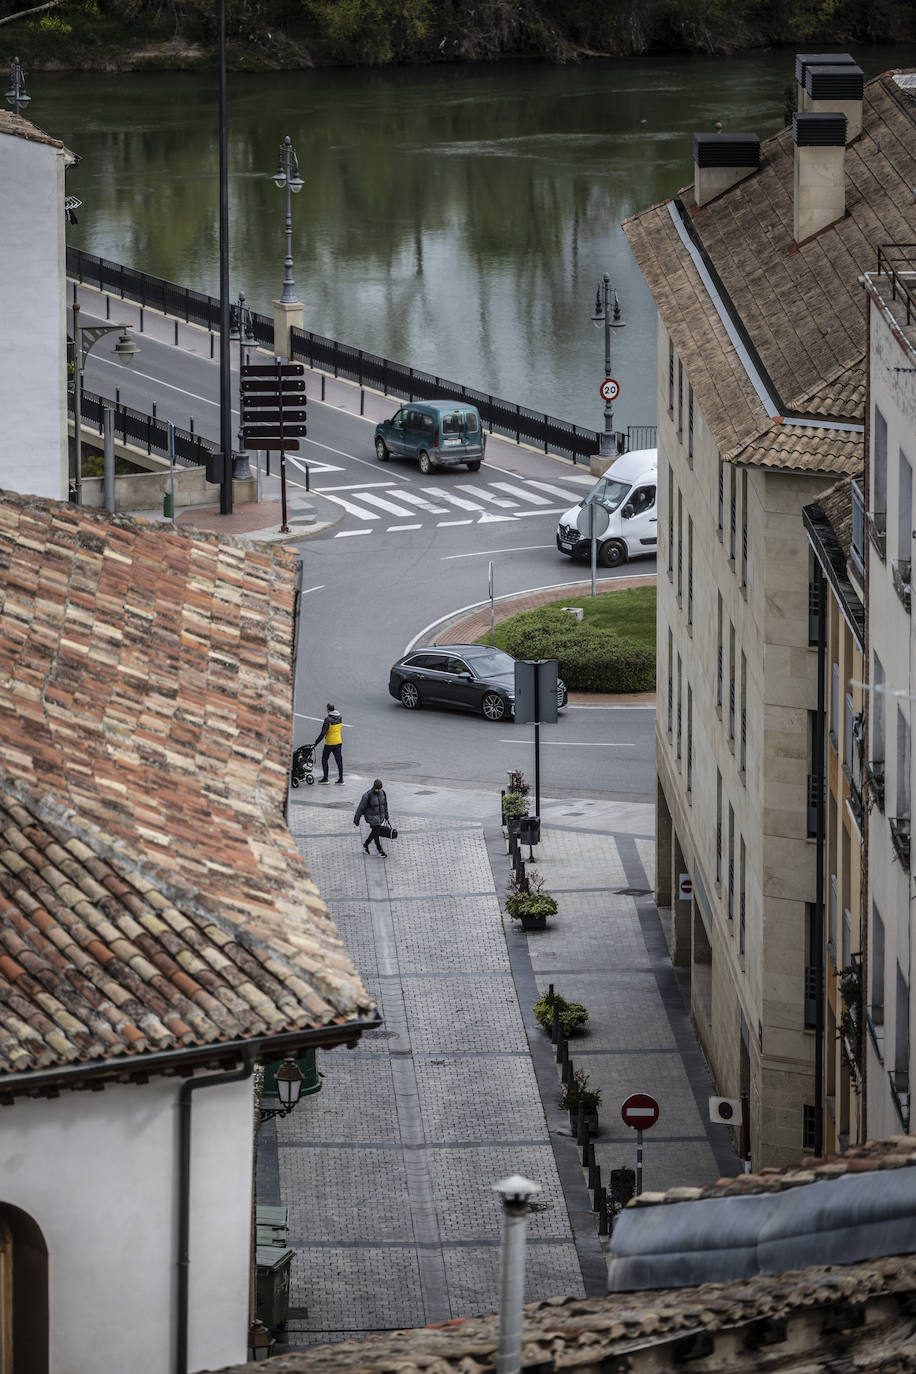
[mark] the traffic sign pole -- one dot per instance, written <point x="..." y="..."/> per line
<point x="638" y="1163"/>
<point x="640" y="1111"/>
<point x="594" y="540"/>
<point x="284" y="527"/>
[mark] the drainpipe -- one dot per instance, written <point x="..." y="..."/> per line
<point x="820" y="849"/>
<point x="184" y="1192"/>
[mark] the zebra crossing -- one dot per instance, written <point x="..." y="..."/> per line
<point x="372" y="504"/>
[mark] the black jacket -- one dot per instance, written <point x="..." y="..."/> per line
<point x="374" y="806"/>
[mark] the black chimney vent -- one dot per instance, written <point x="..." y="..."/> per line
<point x="804" y="60"/>
<point x="726" y="150"/>
<point x="819" y="130"/>
<point x="835" y="83"/>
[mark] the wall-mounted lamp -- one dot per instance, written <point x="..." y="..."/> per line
<point x="289" y="1089"/>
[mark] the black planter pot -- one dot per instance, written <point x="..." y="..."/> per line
<point x="533" y="922"/>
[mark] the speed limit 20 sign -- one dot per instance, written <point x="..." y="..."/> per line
<point x="610" y="389"/>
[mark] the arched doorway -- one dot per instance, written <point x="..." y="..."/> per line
<point x="23" y="1294"/>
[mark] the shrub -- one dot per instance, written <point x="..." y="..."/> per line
<point x="590" y="659"/>
<point x="531" y="904"/>
<point x="514" y="804"/>
<point x="578" y="1091"/>
<point x="573" y="1015"/>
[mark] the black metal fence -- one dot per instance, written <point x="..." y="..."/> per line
<point x="512" y="421"/>
<point x="143" y="431"/>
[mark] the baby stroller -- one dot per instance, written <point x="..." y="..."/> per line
<point x="303" y="762"/>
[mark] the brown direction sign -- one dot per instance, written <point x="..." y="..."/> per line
<point x="271" y="416"/>
<point x="273" y="370"/>
<point x="273" y="431"/>
<point x="276" y="445"/>
<point x="286" y="386"/>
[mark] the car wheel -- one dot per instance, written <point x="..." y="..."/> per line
<point x="474" y="467"/>
<point x="425" y="462"/>
<point x="493" y="706"/>
<point x="381" y="450"/>
<point x="409" y="695"/>
<point x="612" y="554"/>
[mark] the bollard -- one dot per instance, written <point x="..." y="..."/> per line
<point x="594" y="1177"/>
<point x="581" y="1128"/>
<point x="561" y="1043"/>
<point x="567" y="1072"/>
<point x="308" y="478"/>
<point x="141" y="319"/>
<point x="602" y="1212"/>
<point x="176" y="333"/>
<point x="362" y="401"/>
<point x="211" y="343"/>
<point x="588" y="1151"/>
<point x="554" y="1020"/>
<point x="322" y="386"/>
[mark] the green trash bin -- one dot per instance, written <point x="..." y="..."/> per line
<point x="273" y="1266"/>
<point x="311" y="1078"/>
<point x="168" y="509"/>
<point x="272" y="1226"/>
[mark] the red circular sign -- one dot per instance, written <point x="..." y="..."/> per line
<point x="610" y="389"/>
<point x="640" y="1111"/>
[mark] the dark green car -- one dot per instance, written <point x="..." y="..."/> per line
<point x="433" y="434"/>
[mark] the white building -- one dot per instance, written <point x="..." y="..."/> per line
<point x="33" y="344"/>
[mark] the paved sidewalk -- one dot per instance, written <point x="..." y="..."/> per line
<point x="388" y="1170"/>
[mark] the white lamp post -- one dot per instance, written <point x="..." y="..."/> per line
<point x="287" y="177"/>
<point x="84" y="339"/>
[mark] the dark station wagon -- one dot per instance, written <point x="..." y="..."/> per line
<point x="470" y="677"/>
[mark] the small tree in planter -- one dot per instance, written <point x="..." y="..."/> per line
<point x="514" y="807"/>
<point x="573" y="1015"/>
<point x="578" y="1091"/>
<point x="517" y="783"/>
<point x="531" y="906"/>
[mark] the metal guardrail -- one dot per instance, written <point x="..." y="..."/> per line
<point x="354" y="364"/>
<point x="143" y="431"/>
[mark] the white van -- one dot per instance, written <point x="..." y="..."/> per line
<point x="628" y="492"/>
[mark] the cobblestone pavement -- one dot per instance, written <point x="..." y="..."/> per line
<point x="388" y="1170"/>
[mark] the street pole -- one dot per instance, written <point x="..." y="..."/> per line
<point x="172" y="470"/>
<point x="78" y="401"/>
<point x="594" y="543"/>
<point x="16" y="95"/>
<point x="610" y="316"/>
<point x="638" y="1163"/>
<point x="289" y="158"/>
<point x="241" y="468"/>
<point x="225" y="366"/>
<point x="492" y="608"/>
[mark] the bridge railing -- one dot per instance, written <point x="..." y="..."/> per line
<point x="143" y="431"/>
<point x="502" y="417"/>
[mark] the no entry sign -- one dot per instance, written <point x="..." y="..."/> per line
<point x="640" y="1111"/>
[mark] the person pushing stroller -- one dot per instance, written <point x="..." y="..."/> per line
<point x="331" y="733"/>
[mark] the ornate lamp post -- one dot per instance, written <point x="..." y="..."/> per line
<point x="607" y="314"/>
<point x="289" y="1089"/>
<point x="242" y="329"/>
<point x="287" y="177"/>
<point x="16" y="95"/>
<point x="84" y="339"/>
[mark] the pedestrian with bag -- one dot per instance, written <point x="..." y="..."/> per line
<point x="332" y="733"/>
<point x="374" y="806"/>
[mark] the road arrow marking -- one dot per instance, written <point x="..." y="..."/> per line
<point x="487" y="519"/>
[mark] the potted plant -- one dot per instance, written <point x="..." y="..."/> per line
<point x="529" y="904"/>
<point x="573" y="1015"/>
<point x="514" y="807"/>
<point x="578" y="1091"/>
<point x="517" y="783"/>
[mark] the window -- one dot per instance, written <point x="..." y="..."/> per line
<point x="721" y="495"/>
<point x="903" y="764"/>
<point x="876" y="971"/>
<point x="879" y="464"/>
<point x="718" y="826"/>
<point x="743" y="713"/>
<point x="690" y="570"/>
<point x="670" y="682"/>
<point x="835" y="707"/>
<point x="670" y="523"/>
<point x="719" y="653"/>
<point x="834" y="912"/>
<point x="742" y="895"/>
<point x="679" y="679"/>
<point x="902" y="1028"/>
<point x="680" y="541"/>
<point x="680" y="399"/>
<point x="905" y="512"/>
<point x="744" y="527"/>
<point x="731" y="683"/>
<point x="690" y="424"/>
<point x="689" y="738"/>
<point x="731" y="863"/>
<point x="877" y="711"/>
<point x="733" y="512"/>
<point x="670" y="376"/>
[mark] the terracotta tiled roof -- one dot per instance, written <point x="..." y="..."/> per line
<point x="607" y="1333"/>
<point x="801" y="448"/>
<point x="802" y="307"/>
<point x="151" y="895"/>
<point x="11" y="123"/>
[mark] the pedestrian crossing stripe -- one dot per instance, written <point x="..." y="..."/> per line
<point x="499" y="501"/>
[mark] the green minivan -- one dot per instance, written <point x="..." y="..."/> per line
<point x="433" y="433"/>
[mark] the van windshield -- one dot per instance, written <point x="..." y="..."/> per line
<point x="609" y="493"/>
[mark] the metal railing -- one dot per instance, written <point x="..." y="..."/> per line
<point x="501" y="417"/>
<point x="902" y="282"/>
<point x="143" y="431"/>
<point x="900" y="575"/>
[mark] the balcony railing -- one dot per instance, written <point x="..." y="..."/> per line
<point x="857" y="548"/>
<point x="877" y="531"/>
<point x="900" y="1092"/>
<point x="901" y="575"/>
<point x="874" y="777"/>
<point x="900" y="839"/>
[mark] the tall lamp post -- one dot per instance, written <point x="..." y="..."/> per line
<point x="225" y="366"/>
<point x="85" y="337"/>
<point x="16" y="95"/>
<point x="242" y="329"/>
<point x="607" y="313"/>
<point x="287" y="177"/>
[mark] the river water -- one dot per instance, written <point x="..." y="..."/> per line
<point x="454" y="218"/>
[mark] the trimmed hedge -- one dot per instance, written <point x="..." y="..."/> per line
<point x="590" y="659"/>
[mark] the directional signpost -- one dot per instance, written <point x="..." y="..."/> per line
<point x="274" y="412"/>
<point x="640" y="1111"/>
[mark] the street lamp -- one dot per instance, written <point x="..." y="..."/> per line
<point x="84" y="339"/>
<point x="16" y="95"/>
<point x="607" y="314"/>
<point x="287" y="177"/>
<point x="241" y="327"/>
<point x="516" y="1193"/>
<point x="289" y="1089"/>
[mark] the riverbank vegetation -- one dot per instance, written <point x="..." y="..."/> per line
<point x="283" y="34"/>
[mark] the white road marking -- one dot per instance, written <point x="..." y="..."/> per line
<point x="442" y="523"/>
<point x="402" y="527"/>
<point x="488" y="553"/>
<point x="556" y="491"/>
<point x="551" y="510"/>
<point x="356" y="486"/>
<point x="572" y="744"/>
<point x="531" y="497"/>
<point x="452" y="499"/>
<point x="299" y="715"/>
<point x="358" y="511"/>
<point x="488" y="519"/>
<point x="374" y="499"/>
<point x="487" y="496"/>
<point x="347" y="534"/>
<point x="422" y="502"/>
<point x="306" y="590"/>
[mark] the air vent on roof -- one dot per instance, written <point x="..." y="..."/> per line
<point x="836" y="90"/>
<point x="820" y="174"/>
<point x="804" y="60"/>
<point x="721" y="160"/>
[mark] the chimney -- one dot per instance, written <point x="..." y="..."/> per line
<point x="820" y="174"/>
<point x="804" y="60"/>
<point x="721" y="160"/>
<point x="837" y="90"/>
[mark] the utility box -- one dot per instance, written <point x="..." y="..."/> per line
<point x="273" y="1266"/>
<point x="272" y="1226"/>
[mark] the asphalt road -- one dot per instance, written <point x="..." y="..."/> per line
<point x="406" y="552"/>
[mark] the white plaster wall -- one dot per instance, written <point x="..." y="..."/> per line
<point x="98" y="1172"/>
<point x="890" y="635"/>
<point x="33" y="458"/>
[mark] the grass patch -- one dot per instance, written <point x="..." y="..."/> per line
<point x="629" y="614"/>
